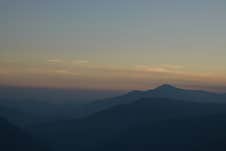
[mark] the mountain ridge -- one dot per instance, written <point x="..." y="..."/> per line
<point x="163" y="91"/>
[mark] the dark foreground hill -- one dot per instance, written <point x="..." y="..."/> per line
<point x="13" y="138"/>
<point x="205" y="133"/>
<point x="157" y="124"/>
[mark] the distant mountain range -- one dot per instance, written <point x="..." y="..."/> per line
<point x="25" y="106"/>
<point x="35" y="110"/>
<point x="164" y="91"/>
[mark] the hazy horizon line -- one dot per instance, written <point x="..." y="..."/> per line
<point x="213" y="89"/>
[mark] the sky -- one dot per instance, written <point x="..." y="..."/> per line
<point x="113" y="44"/>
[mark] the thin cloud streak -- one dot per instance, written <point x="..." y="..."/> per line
<point x="107" y="77"/>
<point x="54" y="61"/>
<point x="79" y="62"/>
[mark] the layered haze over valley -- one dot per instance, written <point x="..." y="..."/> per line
<point x="112" y="75"/>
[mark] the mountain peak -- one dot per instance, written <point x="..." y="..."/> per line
<point x="166" y="87"/>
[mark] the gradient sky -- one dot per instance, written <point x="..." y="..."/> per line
<point x="113" y="44"/>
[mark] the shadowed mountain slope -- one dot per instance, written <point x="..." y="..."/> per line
<point x="150" y="119"/>
<point x="13" y="138"/>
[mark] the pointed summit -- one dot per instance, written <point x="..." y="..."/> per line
<point x="165" y="87"/>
